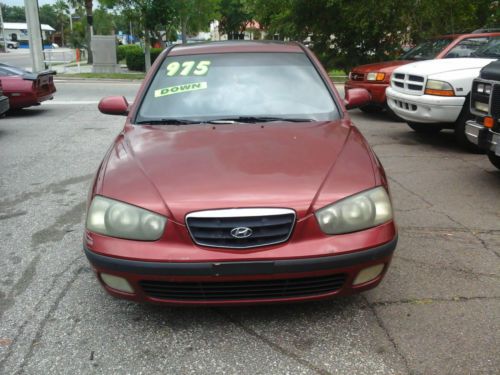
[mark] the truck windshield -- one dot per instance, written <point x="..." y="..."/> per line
<point x="426" y="50"/>
<point x="236" y="86"/>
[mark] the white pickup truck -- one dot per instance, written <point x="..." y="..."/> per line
<point x="433" y="95"/>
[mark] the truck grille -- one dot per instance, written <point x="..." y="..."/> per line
<point x="241" y="228"/>
<point x="495" y="102"/>
<point x="243" y="290"/>
<point x="357" y="76"/>
<point x="408" y="83"/>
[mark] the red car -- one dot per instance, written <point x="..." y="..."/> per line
<point x="238" y="179"/>
<point x="377" y="77"/>
<point x="26" y="89"/>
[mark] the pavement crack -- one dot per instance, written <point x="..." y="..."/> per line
<point x="43" y="323"/>
<point x="381" y="324"/>
<point x="273" y="345"/>
<point x="411" y="192"/>
<point x="36" y="308"/>
<point x="427" y="301"/>
<point x="440" y="267"/>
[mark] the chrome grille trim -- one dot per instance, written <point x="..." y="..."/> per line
<point x="208" y="228"/>
<point x="408" y="83"/>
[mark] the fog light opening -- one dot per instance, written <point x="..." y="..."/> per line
<point x="368" y="274"/>
<point x="116" y="282"/>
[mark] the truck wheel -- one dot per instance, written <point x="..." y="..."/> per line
<point x="460" y="135"/>
<point x="425" y="128"/>
<point x="495" y="160"/>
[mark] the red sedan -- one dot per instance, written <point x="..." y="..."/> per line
<point x="238" y="179"/>
<point x="26" y="89"/>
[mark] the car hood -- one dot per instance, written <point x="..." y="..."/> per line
<point x="175" y="170"/>
<point x="385" y="66"/>
<point x="437" y="66"/>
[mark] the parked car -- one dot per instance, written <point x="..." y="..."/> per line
<point x="484" y="129"/>
<point x="238" y="178"/>
<point x="377" y="77"/>
<point x="4" y="102"/>
<point x="26" y="89"/>
<point x="434" y="95"/>
<point x="11" y="44"/>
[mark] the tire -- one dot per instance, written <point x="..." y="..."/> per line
<point x="460" y="135"/>
<point x="10" y="46"/>
<point x="495" y="160"/>
<point x="371" y="108"/>
<point x="425" y="128"/>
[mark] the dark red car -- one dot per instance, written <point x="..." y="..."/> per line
<point x="238" y="178"/>
<point x="26" y="89"/>
<point x="4" y="101"/>
<point x="377" y="77"/>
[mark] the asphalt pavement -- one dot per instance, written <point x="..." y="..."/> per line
<point x="437" y="311"/>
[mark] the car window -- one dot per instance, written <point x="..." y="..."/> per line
<point x="7" y="70"/>
<point x="467" y="47"/>
<point x="427" y="50"/>
<point x="216" y="86"/>
<point x="489" y="50"/>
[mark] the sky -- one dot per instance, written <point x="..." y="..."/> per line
<point x="21" y="2"/>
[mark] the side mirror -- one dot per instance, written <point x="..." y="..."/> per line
<point x="114" y="105"/>
<point x="355" y="98"/>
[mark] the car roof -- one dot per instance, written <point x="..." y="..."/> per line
<point x="236" y="46"/>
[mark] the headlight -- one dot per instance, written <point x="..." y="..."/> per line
<point x="375" y="76"/>
<point x="484" y="88"/>
<point x="482" y="107"/>
<point x="117" y="219"/>
<point x="439" y="88"/>
<point x="361" y="211"/>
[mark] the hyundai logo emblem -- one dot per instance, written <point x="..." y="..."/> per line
<point x="241" y="232"/>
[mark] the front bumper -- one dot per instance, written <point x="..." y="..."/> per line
<point x="247" y="277"/>
<point x="425" y="108"/>
<point x="377" y="90"/>
<point x="483" y="137"/>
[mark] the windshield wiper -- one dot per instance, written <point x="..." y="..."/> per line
<point x="168" y="121"/>
<point x="255" y="119"/>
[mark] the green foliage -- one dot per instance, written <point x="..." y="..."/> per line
<point x="135" y="58"/>
<point x="123" y="51"/>
<point x="233" y="16"/>
<point x="13" y="13"/>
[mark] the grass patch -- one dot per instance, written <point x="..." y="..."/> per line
<point x="105" y="75"/>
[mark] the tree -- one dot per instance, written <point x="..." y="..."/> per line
<point x="89" y="31"/>
<point x="13" y="13"/>
<point x="194" y="15"/>
<point x="61" y="12"/>
<point x="233" y="17"/>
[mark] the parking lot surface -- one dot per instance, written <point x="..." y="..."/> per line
<point x="437" y="311"/>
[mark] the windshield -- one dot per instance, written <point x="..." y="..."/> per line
<point x="485" y="48"/>
<point x="210" y="87"/>
<point x="427" y="50"/>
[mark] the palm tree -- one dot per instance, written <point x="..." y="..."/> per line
<point x="62" y="10"/>
<point x="88" y="4"/>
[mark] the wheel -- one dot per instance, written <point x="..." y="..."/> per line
<point x="371" y="108"/>
<point x="425" y="128"/>
<point x="495" y="160"/>
<point x="460" y="135"/>
<point x="10" y="46"/>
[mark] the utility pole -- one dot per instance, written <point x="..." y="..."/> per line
<point x="3" y="31"/>
<point x="34" y="35"/>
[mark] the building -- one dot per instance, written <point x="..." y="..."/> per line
<point x="18" y="31"/>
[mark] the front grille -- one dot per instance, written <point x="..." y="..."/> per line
<point x="243" y="290"/>
<point x="405" y="105"/>
<point x="408" y="83"/>
<point x="241" y="228"/>
<point x="357" y="76"/>
<point x="495" y="102"/>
